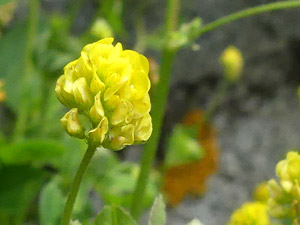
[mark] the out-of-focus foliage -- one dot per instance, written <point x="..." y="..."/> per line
<point x="158" y="212"/>
<point x="183" y="147"/>
<point x="122" y="177"/>
<point x="191" y="177"/>
<point x="113" y="215"/>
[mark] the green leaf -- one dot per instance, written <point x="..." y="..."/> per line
<point x="28" y="151"/>
<point x="114" y="215"/>
<point x="19" y="187"/>
<point x="12" y="53"/>
<point x="183" y="147"/>
<point x="117" y="187"/>
<point x="158" y="212"/>
<point x="186" y="35"/>
<point x="51" y="204"/>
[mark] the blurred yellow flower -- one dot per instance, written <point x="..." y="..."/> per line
<point x="261" y="192"/>
<point x="233" y="62"/>
<point x="101" y="29"/>
<point x="285" y="195"/>
<point x="250" y="213"/>
<point x="109" y="86"/>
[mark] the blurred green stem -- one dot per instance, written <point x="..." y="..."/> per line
<point x="158" y="108"/>
<point x="20" y="128"/>
<point x="247" y="13"/>
<point x="75" y="6"/>
<point x="217" y="98"/>
<point x="76" y="184"/>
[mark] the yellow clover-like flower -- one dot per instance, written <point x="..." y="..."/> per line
<point x="285" y="195"/>
<point x="251" y="213"/>
<point x="109" y="86"/>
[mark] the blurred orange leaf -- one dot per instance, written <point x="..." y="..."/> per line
<point x="191" y="178"/>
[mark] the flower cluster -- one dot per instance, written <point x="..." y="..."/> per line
<point x="250" y="213"/>
<point x="285" y="195"/>
<point x="109" y="86"/>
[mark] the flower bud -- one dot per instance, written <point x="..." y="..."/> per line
<point x="261" y="192"/>
<point x="101" y="29"/>
<point x="232" y="61"/>
<point x="70" y="122"/>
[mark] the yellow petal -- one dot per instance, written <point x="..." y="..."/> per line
<point x="82" y="93"/>
<point x="97" y="111"/>
<point x="98" y="134"/>
<point x="141" y="83"/>
<point x="70" y="122"/>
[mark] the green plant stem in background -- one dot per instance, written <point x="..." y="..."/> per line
<point x="217" y="98"/>
<point x="75" y="6"/>
<point x="76" y="184"/>
<point x="158" y="108"/>
<point x="20" y="128"/>
<point x="247" y="13"/>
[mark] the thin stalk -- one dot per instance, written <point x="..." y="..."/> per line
<point x="140" y="45"/>
<point x="76" y="184"/>
<point x="31" y="33"/>
<point x="74" y="10"/>
<point x="158" y="108"/>
<point x="217" y="98"/>
<point x="247" y="13"/>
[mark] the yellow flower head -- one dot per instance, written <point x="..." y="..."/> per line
<point x="251" y="213"/>
<point x="285" y="195"/>
<point x="233" y="62"/>
<point x="109" y="86"/>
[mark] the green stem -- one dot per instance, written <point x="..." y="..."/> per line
<point x="31" y="33"/>
<point x="247" y="13"/>
<point x="217" y="98"/>
<point x="76" y="184"/>
<point x="158" y="108"/>
<point x="75" y="8"/>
